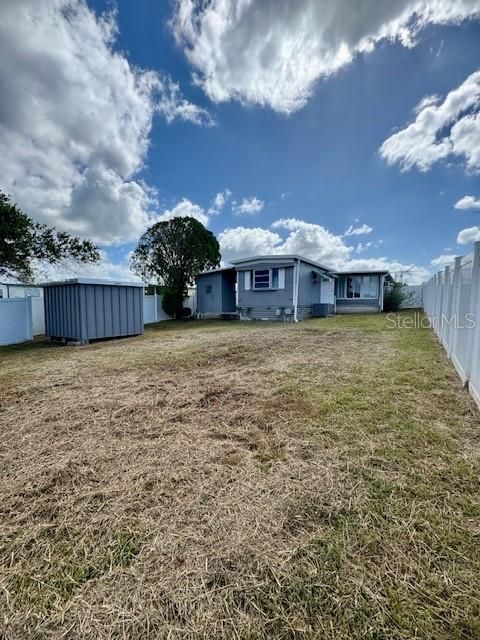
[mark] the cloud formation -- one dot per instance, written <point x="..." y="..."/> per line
<point x="468" y="202"/>
<point x="272" y="52"/>
<point x="443" y="260"/>
<point x="183" y="209"/>
<point x="219" y="202"/>
<point x="311" y="241"/>
<point x="442" y="129"/>
<point x="362" y="230"/>
<point x="469" y="235"/>
<point x="248" y="206"/>
<point x="76" y="118"/>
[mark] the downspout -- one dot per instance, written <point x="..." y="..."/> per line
<point x="382" y="284"/>
<point x="295" y="290"/>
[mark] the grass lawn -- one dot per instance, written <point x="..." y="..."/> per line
<point x="239" y="480"/>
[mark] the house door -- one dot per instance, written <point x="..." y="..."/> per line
<point x="210" y="300"/>
<point x="327" y="292"/>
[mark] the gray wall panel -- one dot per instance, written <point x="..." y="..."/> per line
<point x="209" y="302"/>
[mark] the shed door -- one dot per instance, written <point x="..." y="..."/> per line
<point x="327" y="291"/>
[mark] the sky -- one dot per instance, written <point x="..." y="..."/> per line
<point x="345" y="132"/>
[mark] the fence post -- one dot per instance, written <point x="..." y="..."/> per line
<point x="155" y="312"/>
<point x="473" y="304"/>
<point x="447" y="306"/>
<point x="456" y="286"/>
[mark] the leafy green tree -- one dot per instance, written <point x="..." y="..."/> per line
<point x="172" y="253"/>
<point x="24" y="241"/>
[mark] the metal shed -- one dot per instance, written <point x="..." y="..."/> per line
<point x="83" y="309"/>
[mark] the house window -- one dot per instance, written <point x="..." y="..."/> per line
<point x="357" y="287"/>
<point x="261" y="279"/>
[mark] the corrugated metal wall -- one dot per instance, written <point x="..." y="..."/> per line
<point x="84" y="312"/>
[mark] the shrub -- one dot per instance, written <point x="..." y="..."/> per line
<point x="394" y="295"/>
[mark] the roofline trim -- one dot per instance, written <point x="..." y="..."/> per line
<point x="280" y="256"/>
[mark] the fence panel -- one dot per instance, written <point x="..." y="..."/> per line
<point x="413" y="297"/>
<point x="38" y="316"/>
<point x="451" y="300"/>
<point x="15" y="320"/>
<point x="153" y="310"/>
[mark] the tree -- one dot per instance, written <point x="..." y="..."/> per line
<point x="172" y="253"/>
<point x="23" y="241"/>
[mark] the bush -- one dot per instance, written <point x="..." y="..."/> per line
<point x="393" y="296"/>
<point x="172" y="302"/>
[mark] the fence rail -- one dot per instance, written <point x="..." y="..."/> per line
<point x="451" y="300"/>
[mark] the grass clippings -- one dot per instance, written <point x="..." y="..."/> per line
<point x="232" y="480"/>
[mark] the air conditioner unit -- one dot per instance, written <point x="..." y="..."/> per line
<point x="322" y="310"/>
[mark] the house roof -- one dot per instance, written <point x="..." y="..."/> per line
<point x="113" y="283"/>
<point x="358" y="272"/>
<point x="218" y="270"/>
<point x="279" y="257"/>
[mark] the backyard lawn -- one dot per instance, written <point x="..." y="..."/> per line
<point x="239" y="480"/>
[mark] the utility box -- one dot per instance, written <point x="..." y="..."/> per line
<point x="322" y="310"/>
<point x="84" y="309"/>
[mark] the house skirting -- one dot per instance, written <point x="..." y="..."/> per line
<point x="356" y="309"/>
<point x="276" y="314"/>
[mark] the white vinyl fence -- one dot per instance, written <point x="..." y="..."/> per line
<point x="153" y="310"/>
<point x="451" y="300"/>
<point x="413" y="297"/>
<point x="15" y="320"/>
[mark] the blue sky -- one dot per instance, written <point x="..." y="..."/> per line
<point x="314" y="132"/>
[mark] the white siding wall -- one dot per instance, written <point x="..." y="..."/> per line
<point x="451" y="300"/>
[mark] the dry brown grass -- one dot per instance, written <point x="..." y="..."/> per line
<point x="219" y="480"/>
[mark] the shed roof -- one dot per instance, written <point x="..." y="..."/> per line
<point x="111" y="283"/>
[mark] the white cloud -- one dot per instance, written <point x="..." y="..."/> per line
<point x="443" y="260"/>
<point x="364" y="246"/>
<point x="75" y="119"/>
<point x="469" y="235"/>
<point x="240" y="242"/>
<point x="311" y="241"/>
<point x="363" y="230"/>
<point x="440" y="130"/>
<point x="219" y="202"/>
<point x="272" y="52"/>
<point x="119" y="270"/>
<point x="468" y="202"/>
<point x="248" y="206"/>
<point x="182" y="209"/>
<point x="173" y="105"/>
